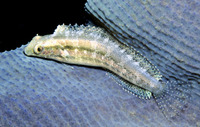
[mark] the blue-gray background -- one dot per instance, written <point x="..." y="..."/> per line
<point x="36" y="92"/>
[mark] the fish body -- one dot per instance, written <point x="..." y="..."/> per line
<point x="91" y="46"/>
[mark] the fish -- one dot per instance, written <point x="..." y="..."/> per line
<point x="92" y="46"/>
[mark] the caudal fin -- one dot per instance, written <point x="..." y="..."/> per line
<point x="174" y="100"/>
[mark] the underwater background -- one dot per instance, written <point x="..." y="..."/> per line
<point x="38" y="92"/>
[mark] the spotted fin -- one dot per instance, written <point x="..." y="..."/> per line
<point x="129" y="87"/>
<point x="174" y="100"/>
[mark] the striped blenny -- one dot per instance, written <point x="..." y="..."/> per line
<point x="92" y="46"/>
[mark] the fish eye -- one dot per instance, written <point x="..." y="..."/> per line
<point x="38" y="49"/>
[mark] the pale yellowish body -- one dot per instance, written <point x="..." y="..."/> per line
<point x="91" y="47"/>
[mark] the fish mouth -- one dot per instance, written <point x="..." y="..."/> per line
<point x="27" y="51"/>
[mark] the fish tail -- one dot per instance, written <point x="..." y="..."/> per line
<point x="174" y="100"/>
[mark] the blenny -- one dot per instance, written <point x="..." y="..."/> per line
<point x="92" y="46"/>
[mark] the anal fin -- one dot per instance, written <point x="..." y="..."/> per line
<point x="131" y="88"/>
